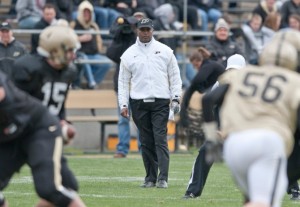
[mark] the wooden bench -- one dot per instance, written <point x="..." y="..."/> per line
<point x="92" y="101"/>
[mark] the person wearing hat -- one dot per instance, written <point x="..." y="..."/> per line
<point x="220" y="45"/>
<point x="201" y="168"/>
<point x="48" y="18"/>
<point x="149" y="80"/>
<point x="10" y="49"/>
<point x="91" y="47"/>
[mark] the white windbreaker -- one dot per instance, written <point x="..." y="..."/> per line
<point x="148" y="70"/>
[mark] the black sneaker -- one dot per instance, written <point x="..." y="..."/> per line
<point x="162" y="184"/>
<point x="189" y="196"/>
<point x="148" y="185"/>
<point x="295" y="196"/>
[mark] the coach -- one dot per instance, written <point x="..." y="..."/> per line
<point x="149" y="79"/>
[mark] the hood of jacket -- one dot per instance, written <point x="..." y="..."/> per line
<point x="85" y="5"/>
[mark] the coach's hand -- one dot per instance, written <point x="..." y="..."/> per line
<point x="125" y="112"/>
<point x="175" y="106"/>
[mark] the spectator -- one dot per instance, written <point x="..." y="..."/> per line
<point x="165" y="20"/>
<point x="257" y="35"/>
<point x="103" y="16"/>
<point x="29" y="12"/>
<point x="63" y="8"/>
<point x="147" y="7"/>
<point x="208" y="10"/>
<point x="139" y="15"/>
<point x="289" y="7"/>
<point x="192" y="13"/>
<point x="294" y="22"/>
<point x="206" y="78"/>
<point x="37" y="141"/>
<point x="47" y="19"/>
<point x="91" y="45"/>
<point x="10" y="49"/>
<point x="220" y="45"/>
<point x="255" y="171"/>
<point x="264" y="8"/>
<point x="125" y="7"/>
<point x="148" y="60"/>
<point x="124" y="35"/>
<point x="272" y="21"/>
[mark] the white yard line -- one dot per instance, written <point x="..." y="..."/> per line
<point x="28" y="179"/>
<point x="18" y="194"/>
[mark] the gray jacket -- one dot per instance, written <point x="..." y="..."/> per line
<point x="27" y="8"/>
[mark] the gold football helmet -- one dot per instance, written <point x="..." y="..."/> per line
<point x="291" y="36"/>
<point x="279" y="53"/>
<point x="56" y="41"/>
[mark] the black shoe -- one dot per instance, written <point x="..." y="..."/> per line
<point x="295" y="196"/>
<point x="162" y="184"/>
<point x="148" y="185"/>
<point x="189" y="196"/>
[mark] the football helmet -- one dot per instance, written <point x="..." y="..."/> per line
<point x="291" y="36"/>
<point x="56" y="41"/>
<point x="279" y="53"/>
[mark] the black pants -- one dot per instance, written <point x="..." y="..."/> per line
<point x="293" y="166"/>
<point x="151" y="119"/>
<point x="199" y="174"/>
<point x="41" y="149"/>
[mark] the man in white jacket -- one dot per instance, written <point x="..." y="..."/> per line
<point x="149" y="80"/>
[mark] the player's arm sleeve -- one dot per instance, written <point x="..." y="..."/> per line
<point x="211" y="99"/>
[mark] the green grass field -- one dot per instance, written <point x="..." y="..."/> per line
<point x="108" y="182"/>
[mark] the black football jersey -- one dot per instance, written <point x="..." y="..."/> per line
<point x="17" y="110"/>
<point x="34" y="75"/>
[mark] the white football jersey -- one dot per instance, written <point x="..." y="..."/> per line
<point x="261" y="98"/>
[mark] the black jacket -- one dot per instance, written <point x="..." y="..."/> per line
<point x="221" y="50"/>
<point x="206" y="77"/>
<point x="8" y="54"/>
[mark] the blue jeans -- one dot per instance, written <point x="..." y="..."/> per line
<point x="189" y="73"/>
<point x="212" y="15"/>
<point x="86" y="71"/>
<point x="124" y="134"/>
<point x="105" y="17"/>
<point x="99" y="70"/>
<point x="28" y="22"/>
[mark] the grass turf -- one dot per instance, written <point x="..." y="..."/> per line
<point x="108" y="182"/>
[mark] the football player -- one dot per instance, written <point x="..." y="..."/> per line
<point x="293" y="168"/>
<point x="260" y="106"/>
<point x="29" y="134"/>
<point x="48" y="76"/>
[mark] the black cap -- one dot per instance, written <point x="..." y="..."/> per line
<point x="145" y="23"/>
<point x="5" y="26"/>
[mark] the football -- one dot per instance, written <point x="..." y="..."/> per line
<point x="68" y="132"/>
